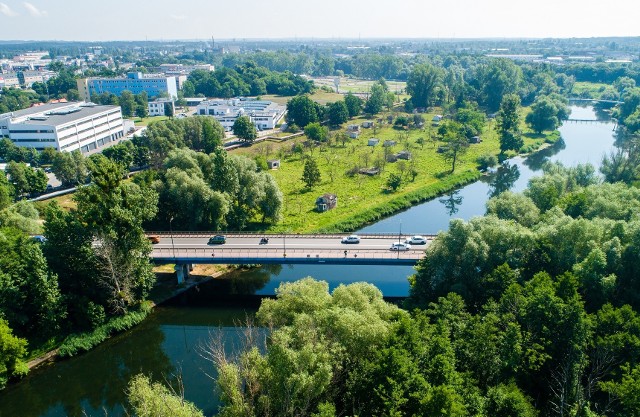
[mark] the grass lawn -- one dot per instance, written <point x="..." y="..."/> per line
<point x="146" y="120"/>
<point x="363" y="199"/>
<point x="64" y="201"/>
<point x="588" y="89"/>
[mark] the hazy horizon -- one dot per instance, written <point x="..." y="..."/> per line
<point x="193" y="20"/>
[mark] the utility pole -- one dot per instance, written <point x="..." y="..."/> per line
<point x="173" y="247"/>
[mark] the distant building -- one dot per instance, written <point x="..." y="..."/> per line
<point x="153" y="84"/>
<point x="353" y="134"/>
<point x="475" y="139"/>
<point x="263" y="114"/>
<point x="194" y="101"/>
<point x="64" y="126"/>
<point x="326" y="202"/>
<point x="373" y="142"/>
<point x="162" y="107"/>
<point x="367" y="124"/>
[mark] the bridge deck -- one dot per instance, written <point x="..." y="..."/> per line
<point x="291" y="256"/>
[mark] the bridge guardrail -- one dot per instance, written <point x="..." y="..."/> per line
<point x="286" y="235"/>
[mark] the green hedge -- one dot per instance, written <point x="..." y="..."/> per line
<point x="82" y="342"/>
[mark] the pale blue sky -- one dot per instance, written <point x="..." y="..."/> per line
<point x="224" y="19"/>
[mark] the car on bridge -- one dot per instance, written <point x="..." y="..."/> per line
<point x="417" y="240"/>
<point x="217" y="240"/>
<point x="154" y="239"/>
<point x="400" y="247"/>
<point x="351" y="239"/>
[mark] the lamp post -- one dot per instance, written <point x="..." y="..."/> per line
<point x="173" y="247"/>
<point x="399" y="237"/>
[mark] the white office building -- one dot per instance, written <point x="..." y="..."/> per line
<point x="263" y="114"/>
<point x="64" y="126"/>
<point x="162" y="107"/>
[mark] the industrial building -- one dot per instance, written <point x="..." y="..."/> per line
<point x="64" y="126"/>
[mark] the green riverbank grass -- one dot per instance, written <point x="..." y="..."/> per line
<point x="364" y="199"/>
<point x="83" y="342"/>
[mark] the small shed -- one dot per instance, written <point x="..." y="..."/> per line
<point x="369" y="171"/>
<point x="406" y="155"/>
<point x="273" y="163"/>
<point x="442" y="149"/>
<point x="437" y="118"/>
<point x="392" y="158"/>
<point x="354" y="134"/>
<point x="353" y="128"/>
<point x="388" y="143"/>
<point x="373" y="142"/>
<point x="326" y="202"/>
<point x="367" y="124"/>
<point x="475" y="139"/>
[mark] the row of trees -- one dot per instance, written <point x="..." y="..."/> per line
<point x="247" y="79"/>
<point x="131" y="104"/>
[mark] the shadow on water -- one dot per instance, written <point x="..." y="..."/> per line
<point x="536" y="160"/>
<point x="503" y="179"/>
<point x="452" y="201"/>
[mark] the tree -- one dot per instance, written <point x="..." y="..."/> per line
<point x="508" y="124"/>
<point x="13" y="351"/>
<point x="127" y="103"/>
<point x="353" y="103"/>
<point x="394" y="181"/>
<point x="244" y="129"/>
<point x="310" y="173"/>
<point x="456" y="143"/>
<point x="546" y="113"/>
<point x="152" y="399"/>
<point x="421" y="84"/>
<point x="317" y="132"/>
<point x="338" y="113"/>
<point x="301" y="110"/>
<point x="70" y="168"/>
<point x="378" y="98"/>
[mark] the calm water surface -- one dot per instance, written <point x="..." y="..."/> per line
<point x="171" y="341"/>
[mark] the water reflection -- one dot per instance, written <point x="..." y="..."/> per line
<point x="536" y="160"/>
<point x="452" y="201"/>
<point x="503" y="179"/>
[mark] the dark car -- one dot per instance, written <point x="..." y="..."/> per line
<point x="217" y="240"/>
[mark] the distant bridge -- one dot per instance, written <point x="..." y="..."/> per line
<point x="596" y="100"/>
<point x="187" y="248"/>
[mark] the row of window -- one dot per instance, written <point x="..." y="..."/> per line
<point x="32" y="140"/>
<point x="32" y="131"/>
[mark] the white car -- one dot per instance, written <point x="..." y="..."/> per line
<point x="401" y="247"/>
<point x="417" y="240"/>
<point x="351" y="239"/>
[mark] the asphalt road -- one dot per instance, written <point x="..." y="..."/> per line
<point x="301" y="242"/>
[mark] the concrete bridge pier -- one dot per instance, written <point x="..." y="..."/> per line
<point x="182" y="271"/>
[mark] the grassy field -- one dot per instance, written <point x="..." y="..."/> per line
<point x="363" y="199"/>
<point x="588" y="89"/>
<point x="358" y="86"/>
<point x="146" y="120"/>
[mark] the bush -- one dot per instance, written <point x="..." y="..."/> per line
<point x="82" y="342"/>
<point x="487" y="161"/>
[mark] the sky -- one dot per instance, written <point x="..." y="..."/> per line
<point x="103" y="20"/>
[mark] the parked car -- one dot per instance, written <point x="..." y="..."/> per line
<point x="400" y="247"/>
<point x="417" y="240"/>
<point x="217" y="240"/>
<point x="39" y="238"/>
<point x="154" y="239"/>
<point x="351" y="239"/>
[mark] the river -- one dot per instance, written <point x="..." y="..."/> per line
<point x="172" y="340"/>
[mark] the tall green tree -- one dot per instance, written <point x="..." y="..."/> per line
<point x="456" y="143"/>
<point x="315" y="131"/>
<point x="338" y="113"/>
<point x="301" y="110"/>
<point x="421" y="84"/>
<point x="310" y="173"/>
<point x="13" y="352"/>
<point x="353" y="103"/>
<point x="244" y="129"/>
<point x="508" y="124"/>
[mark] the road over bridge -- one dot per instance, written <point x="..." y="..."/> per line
<point x="182" y="248"/>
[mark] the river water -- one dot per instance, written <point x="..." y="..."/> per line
<point x="172" y="341"/>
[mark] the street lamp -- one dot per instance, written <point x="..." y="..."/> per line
<point x="173" y="247"/>
<point x="399" y="237"/>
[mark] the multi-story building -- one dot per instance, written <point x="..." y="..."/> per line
<point x="155" y="85"/>
<point x="263" y="114"/>
<point x="64" y="126"/>
<point x="162" y="107"/>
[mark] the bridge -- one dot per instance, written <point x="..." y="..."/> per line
<point x="596" y="100"/>
<point x="187" y="248"/>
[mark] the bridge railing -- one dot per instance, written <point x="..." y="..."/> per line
<point x="256" y="254"/>
<point x="182" y="234"/>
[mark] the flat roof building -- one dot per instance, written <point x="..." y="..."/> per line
<point x="66" y="127"/>
<point x="154" y="85"/>
<point x="263" y="114"/>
